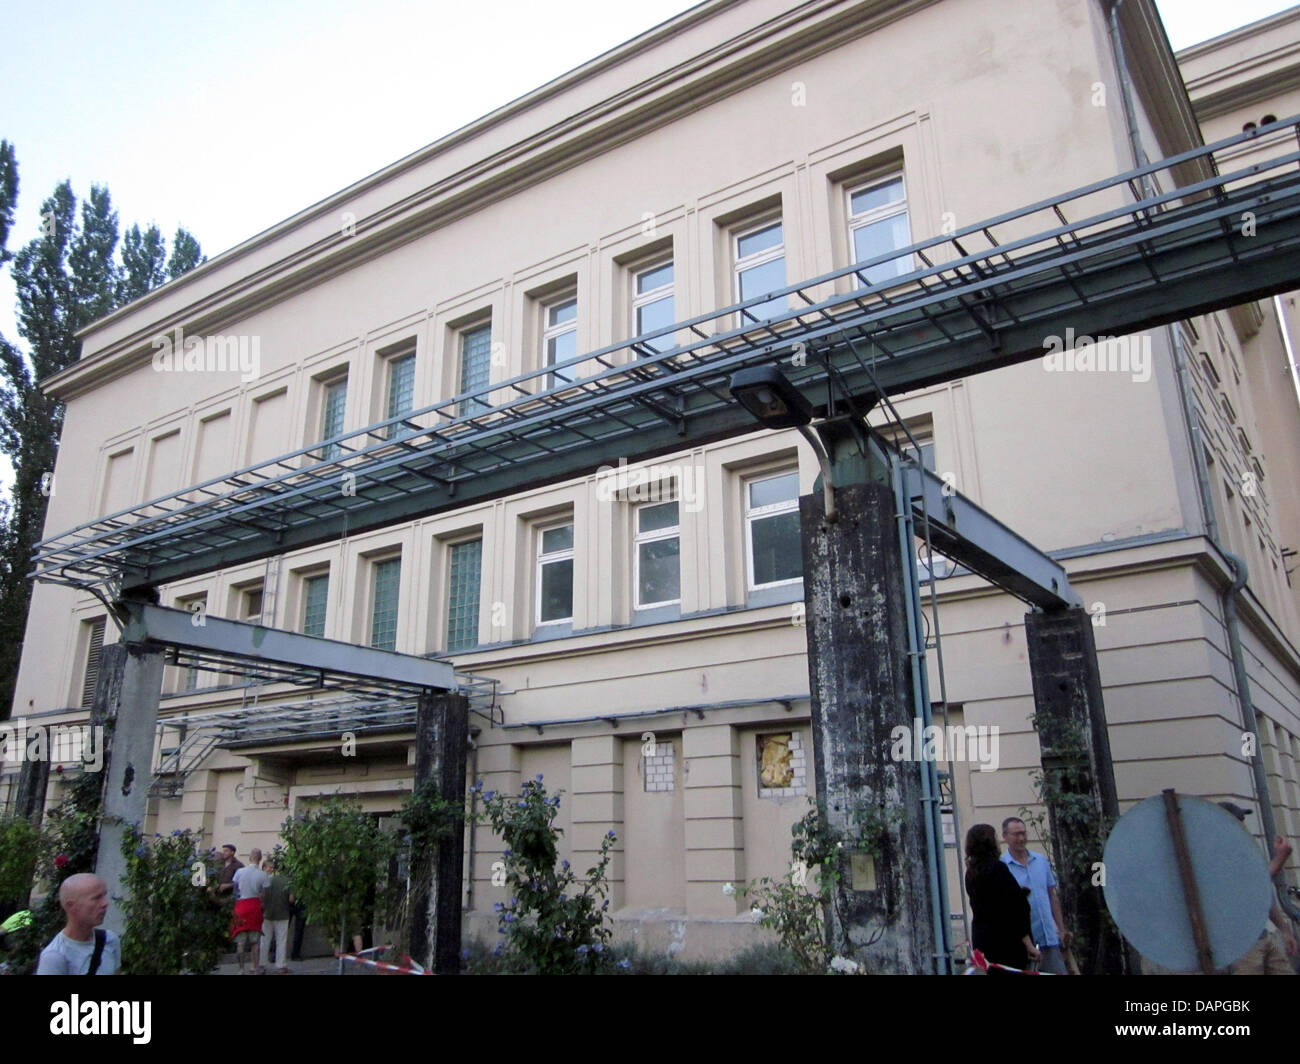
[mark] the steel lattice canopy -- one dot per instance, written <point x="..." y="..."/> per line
<point x="983" y="297"/>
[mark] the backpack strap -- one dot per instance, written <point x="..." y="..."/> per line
<point x="101" y="938"/>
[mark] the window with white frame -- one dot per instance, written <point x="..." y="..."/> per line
<point x="401" y="392"/>
<point x="774" y="555"/>
<point x="387" y="579"/>
<point x="555" y="574"/>
<point x="251" y="602"/>
<point x="656" y="560"/>
<point x="475" y="366"/>
<point x="464" y="579"/>
<point x="315" y="601"/>
<point x="652" y="303"/>
<point x="560" y="338"/>
<point x="878" y="224"/>
<point x="758" y="253"/>
<point x="334" y="401"/>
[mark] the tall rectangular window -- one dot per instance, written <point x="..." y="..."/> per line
<point x="475" y="367"/>
<point x="383" y="614"/>
<point x="759" y="257"/>
<point x="774" y="553"/>
<point x="94" y="650"/>
<point x="315" y="599"/>
<point x="657" y="568"/>
<point x="555" y="574"/>
<point x="560" y="338"/>
<point x="652" y="303"/>
<point x="464" y="575"/>
<point x="401" y="393"/>
<point x="334" y="401"/>
<point x="878" y="225"/>
<point x="197" y="606"/>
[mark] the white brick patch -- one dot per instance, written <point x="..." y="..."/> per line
<point x="660" y="773"/>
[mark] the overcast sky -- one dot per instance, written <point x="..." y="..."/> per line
<point x="227" y="117"/>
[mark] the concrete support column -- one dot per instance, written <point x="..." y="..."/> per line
<point x="437" y="886"/>
<point x="860" y="681"/>
<point x="33" y="783"/>
<point x="596" y="777"/>
<point x="126" y="707"/>
<point x="714" y="809"/>
<point x="1079" y="779"/>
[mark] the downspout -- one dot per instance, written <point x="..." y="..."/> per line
<point x="473" y="816"/>
<point x="1230" y="620"/>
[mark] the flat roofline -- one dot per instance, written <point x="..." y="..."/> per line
<point x="563" y="82"/>
<point x="1241" y="33"/>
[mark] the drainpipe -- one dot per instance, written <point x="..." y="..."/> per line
<point x="1126" y="95"/>
<point x="1230" y="620"/>
<point x="473" y="816"/>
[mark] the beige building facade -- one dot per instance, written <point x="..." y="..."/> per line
<point x="646" y="640"/>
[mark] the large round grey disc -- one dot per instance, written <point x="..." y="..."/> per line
<point x="1145" y="893"/>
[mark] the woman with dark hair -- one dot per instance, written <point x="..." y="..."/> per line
<point x="1000" y="927"/>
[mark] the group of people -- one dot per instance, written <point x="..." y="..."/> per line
<point x="263" y="906"/>
<point x="1015" y="907"/>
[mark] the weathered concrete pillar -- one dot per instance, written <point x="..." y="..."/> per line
<point x="437" y="877"/>
<point x="126" y="707"/>
<point x="1078" y="777"/>
<point x="861" y="689"/>
<point x="33" y="783"/>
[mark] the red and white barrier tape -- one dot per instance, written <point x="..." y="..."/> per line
<point x="409" y="968"/>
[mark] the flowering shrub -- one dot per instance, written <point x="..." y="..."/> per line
<point x="174" y="922"/>
<point x="554" y="923"/>
<point x="69" y="841"/>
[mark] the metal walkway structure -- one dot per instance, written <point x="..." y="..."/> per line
<point x="985" y="296"/>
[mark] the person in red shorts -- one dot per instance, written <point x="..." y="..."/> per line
<point x="246" y="928"/>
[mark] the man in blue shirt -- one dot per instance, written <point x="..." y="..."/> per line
<point x="1033" y="871"/>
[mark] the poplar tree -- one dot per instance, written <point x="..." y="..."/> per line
<point x="66" y="278"/>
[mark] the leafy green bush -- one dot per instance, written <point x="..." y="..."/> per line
<point x="69" y="841"/>
<point x="19" y="846"/>
<point x="175" y="923"/>
<point x="554" y="923"/>
<point x="335" y="857"/>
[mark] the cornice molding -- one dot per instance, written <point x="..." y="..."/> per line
<point x="703" y="78"/>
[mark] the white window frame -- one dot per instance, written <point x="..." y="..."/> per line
<point x="554" y="332"/>
<point x="654" y="295"/>
<point x="543" y="558"/>
<point x="876" y="214"/>
<point x="639" y="537"/>
<point x="770" y="510"/>
<point x="759" y="258"/>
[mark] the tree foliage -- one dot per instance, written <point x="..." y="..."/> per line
<point x="334" y="857"/>
<point x="66" y="278"/>
<point x="175" y="924"/>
